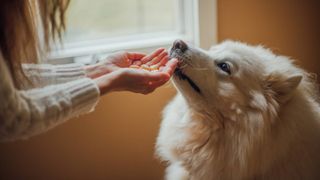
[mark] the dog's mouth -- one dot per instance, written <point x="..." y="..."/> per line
<point x="179" y="70"/>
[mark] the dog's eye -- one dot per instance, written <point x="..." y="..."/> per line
<point x="224" y="67"/>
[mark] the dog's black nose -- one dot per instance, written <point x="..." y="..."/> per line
<point x="179" y="44"/>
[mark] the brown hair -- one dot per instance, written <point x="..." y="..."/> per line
<point x="23" y="24"/>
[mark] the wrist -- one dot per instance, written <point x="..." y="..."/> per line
<point x="108" y="83"/>
<point x="96" y="70"/>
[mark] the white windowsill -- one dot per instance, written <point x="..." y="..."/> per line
<point x="134" y="44"/>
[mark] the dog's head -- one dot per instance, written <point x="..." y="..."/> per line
<point x="233" y="77"/>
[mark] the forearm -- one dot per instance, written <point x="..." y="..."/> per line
<point x="96" y="70"/>
<point x="42" y="75"/>
<point x="32" y="112"/>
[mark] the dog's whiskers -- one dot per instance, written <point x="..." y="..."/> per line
<point x="186" y="61"/>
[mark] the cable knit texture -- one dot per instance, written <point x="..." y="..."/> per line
<point x="46" y="74"/>
<point x="62" y="92"/>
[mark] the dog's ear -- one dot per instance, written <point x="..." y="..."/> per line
<point x="281" y="86"/>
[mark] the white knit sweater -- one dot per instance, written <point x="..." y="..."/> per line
<point x="61" y="92"/>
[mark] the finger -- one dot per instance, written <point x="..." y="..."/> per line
<point x="170" y="66"/>
<point x="152" y="55"/>
<point x="138" y="63"/>
<point x="136" y="55"/>
<point x="158" y="58"/>
<point x="163" y="61"/>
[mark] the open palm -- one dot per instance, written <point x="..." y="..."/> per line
<point x="126" y="59"/>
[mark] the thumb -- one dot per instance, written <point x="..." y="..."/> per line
<point x="170" y="66"/>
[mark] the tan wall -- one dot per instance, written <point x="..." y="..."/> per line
<point x="288" y="27"/>
<point x="116" y="141"/>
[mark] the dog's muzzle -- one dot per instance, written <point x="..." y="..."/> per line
<point x="178" y="49"/>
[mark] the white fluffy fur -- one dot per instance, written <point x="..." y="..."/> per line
<point x="260" y="122"/>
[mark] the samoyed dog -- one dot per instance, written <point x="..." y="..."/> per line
<point x="241" y="112"/>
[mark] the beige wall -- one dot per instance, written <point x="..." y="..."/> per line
<point x="288" y="27"/>
<point x="116" y="141"/>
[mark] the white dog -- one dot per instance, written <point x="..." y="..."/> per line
<point x="241" y="113"/>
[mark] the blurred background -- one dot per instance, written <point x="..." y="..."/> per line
<point x="116" y="141"/>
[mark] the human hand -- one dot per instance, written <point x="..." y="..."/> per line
<point x="124" y="59"/>
<point x="136" y="80"/>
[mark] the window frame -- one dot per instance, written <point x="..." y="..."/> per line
<point x="197" y="26"/>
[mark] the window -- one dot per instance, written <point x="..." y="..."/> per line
<point x="104" y="26"/>
<point x="103" y="19"/>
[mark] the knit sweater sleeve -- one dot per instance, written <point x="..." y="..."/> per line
<point x="24" y="113"/>
<point x="46" y="74"/>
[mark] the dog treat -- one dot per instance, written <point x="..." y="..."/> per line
<point x="145" y="67"/>
<point x="135" y="66"/>
<point x="152" y="68"/>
